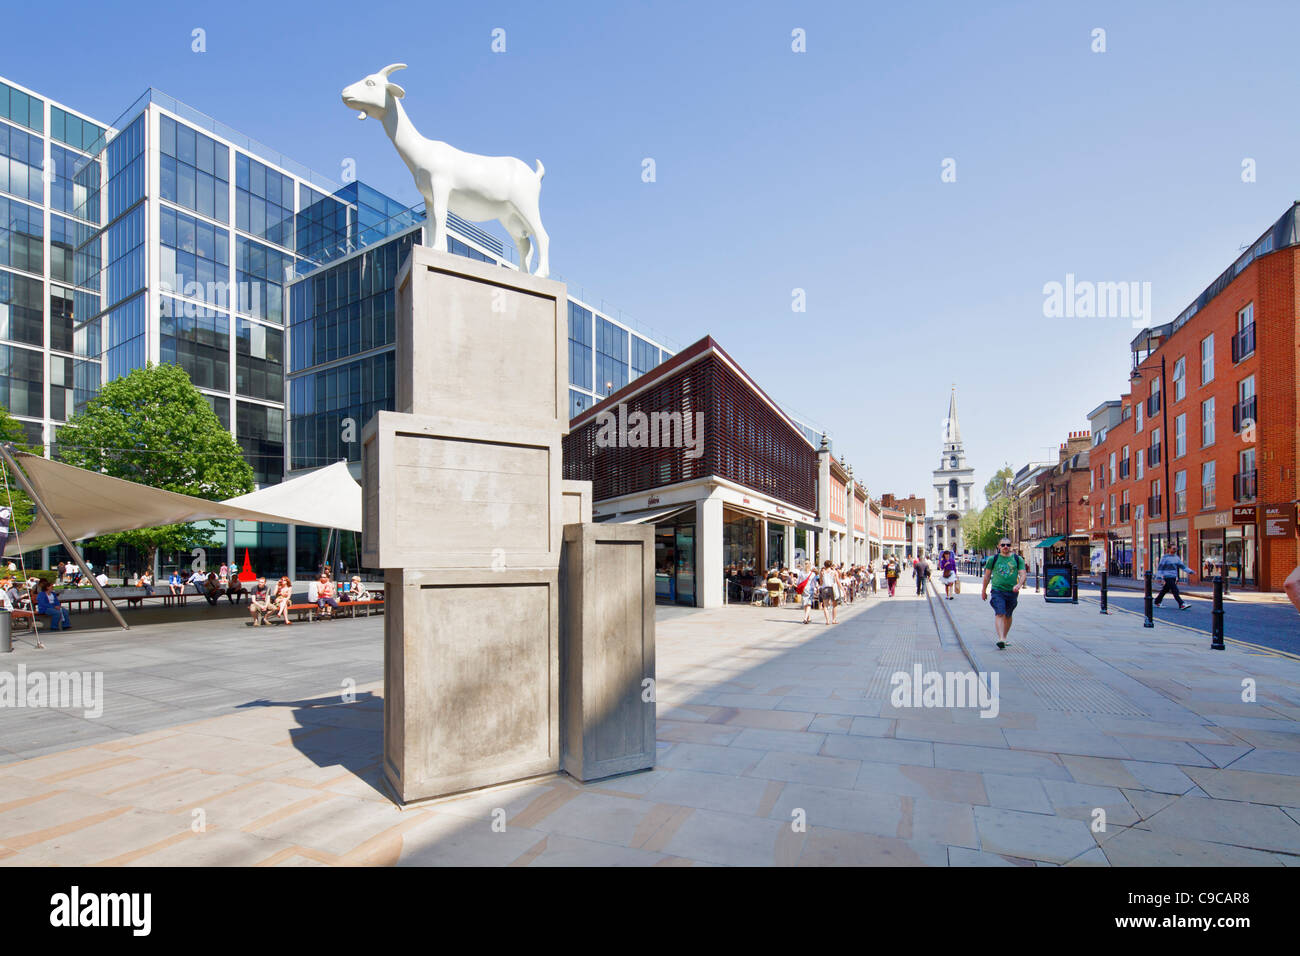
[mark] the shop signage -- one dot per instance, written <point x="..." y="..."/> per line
<point x="1279" y="521"/>
<point x="654" y="500"/>
<point x="1243" y="514"/>
<point x="1220" y="519"/>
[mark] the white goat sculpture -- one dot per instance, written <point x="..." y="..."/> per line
<point x="476" y="188"/>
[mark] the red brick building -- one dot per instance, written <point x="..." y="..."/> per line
<point x="1204" y="451"/>
<point x="1066" y="497"/>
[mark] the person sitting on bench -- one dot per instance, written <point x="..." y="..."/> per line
<point x="47" y="603"/>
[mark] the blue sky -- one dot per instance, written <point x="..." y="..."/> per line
<point x="778" y="170"/>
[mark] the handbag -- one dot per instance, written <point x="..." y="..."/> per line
<point x="956" y="585"/>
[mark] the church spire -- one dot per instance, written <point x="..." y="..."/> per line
<point x="953" y="436"/>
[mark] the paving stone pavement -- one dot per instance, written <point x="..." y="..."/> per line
<point x="779" y="744"/>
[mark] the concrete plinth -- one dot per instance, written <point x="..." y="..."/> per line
<point x="471" y="678"/>
<point x="445" y="493"/>
<point x="608" y="649"/>
<point x="478" y="342"/>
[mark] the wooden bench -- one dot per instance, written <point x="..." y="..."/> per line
<point x="311" y="609"/>
<point x="25" y="615"/>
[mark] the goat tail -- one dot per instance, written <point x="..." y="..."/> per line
<point x="541" y="170"/>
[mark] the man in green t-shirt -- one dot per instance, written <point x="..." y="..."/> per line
<point x="1006" y="572"/>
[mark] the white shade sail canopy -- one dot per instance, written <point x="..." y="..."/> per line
<point x="86" y="503"/>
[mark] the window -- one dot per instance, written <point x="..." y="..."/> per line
<point x="1180" y="492"/>
<point x="611" y="357"/>
<point x="1153" y="505"/>
<point x="194" y="170"/>
<point x="952" y="489"/>
<point x="1243" y="343"/>
<point x="580" y="346"/>
<point x="1155" y="448"/>
<point x="1243" y="483"/>
<point x="263" y="201"/>
<point x="1180" y="379"/>
<point x="1207" y="359"/>
<point x="1207" y="484"/>
<point x="1123" y="463"/>
<point x="1243" y="413"/>
<point x="1180" y="436"/>
<point x="1137" y="424"/>
<point x="1141" y="463"/>
<point x="1112" y="509"/>
<point x="1112" y="468"/>
<point x="1207" y="422"/>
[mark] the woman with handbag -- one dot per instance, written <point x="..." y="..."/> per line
<point x="948" y="569"/>
<point x="807" y="588"/>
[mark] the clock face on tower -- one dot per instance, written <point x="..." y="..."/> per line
<point x="953" y="461"/>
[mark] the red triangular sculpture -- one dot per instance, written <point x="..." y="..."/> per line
<point x="246" y="574"/>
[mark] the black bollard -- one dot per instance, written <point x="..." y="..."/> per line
<point x="1074" y="585"/>
<point x="1035" y="579"/>
<point x="1104" y="580"/>
<point x="1147" y="606"/>
<point x="1216" y="616"/>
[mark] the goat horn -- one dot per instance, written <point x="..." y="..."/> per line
<point x="392" y="68"/>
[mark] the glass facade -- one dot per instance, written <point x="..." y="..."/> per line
<point x="259" y="361"/>
<point x="261" y="273"/>
<point x="74" y="187"/>
<point x="581" y="339"/>
<point x="22" y="235"/>
<point x="263" y="201"/>
<point x="194" y="170"/>
<point x="22" y="108"/>
<point x="193" y="257"/>
<point x="198" y="340"/>
<point x="22" y="382"/>
<point x="611" y="357"/>
<point x="259" y="429"/>
<point x="22" y="309"/>
<point x="21" y="155"/>
<point x="328" y="408"/>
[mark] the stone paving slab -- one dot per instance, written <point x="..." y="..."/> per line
<point x="779" y="745"/>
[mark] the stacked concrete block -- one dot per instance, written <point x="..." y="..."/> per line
<point x="465" y="509"/>
<point x="607" y="649"/>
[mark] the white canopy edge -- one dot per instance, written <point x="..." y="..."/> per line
<point x="86" y="503"/>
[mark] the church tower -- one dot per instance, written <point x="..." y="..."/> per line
<point x="953" y="482"/>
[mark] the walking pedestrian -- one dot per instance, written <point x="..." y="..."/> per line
<point x="921" y="571"/>
<point x="807" y="588"/>
<point x="829" y="592"/>
<point x="1168" y="568"/>
<point x="891" y="575"/>
<point x="1006" y="572"/>
<point x="948" y="572"/>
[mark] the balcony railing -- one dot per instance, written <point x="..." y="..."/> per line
<point x="1153" y="506"/>
<point x="1123" y="468"/>
<point x="1207" y="496"/>
<point x="1243" y="343"/>
<point x="1241" y="412"/>
<point x="1125" y="512"/>
<point x="1153" y="404"/>
<point x="1243" y="486"/>
<point x="1153" y="455"/>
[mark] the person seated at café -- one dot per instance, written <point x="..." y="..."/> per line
<point x="146" y="581"/>
<point x="774" y="587"/>
<point x="174" y="583"/>
<point x="199" y="579"/>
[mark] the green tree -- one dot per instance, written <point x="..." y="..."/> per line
<point x="994" y="486"/>
<point x="11" y="431"/>
<point x="155" y="428"/>
<point x="982" y="529"/>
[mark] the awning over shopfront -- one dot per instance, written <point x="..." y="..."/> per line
<point x="646" y="517"/>
<point x="86" y="503"/>
<point x="1048" y="542"/>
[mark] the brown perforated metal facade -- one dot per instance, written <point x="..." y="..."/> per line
<point x="743" y="440"/>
